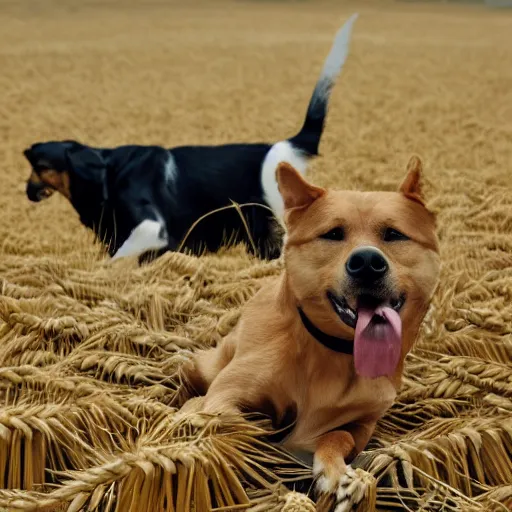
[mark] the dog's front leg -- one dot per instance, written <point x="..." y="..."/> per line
<point x="225" y="403"/>
<point x="149" y="235"/>
<point x="330" y="467"/>
<point x="235" y="388"/>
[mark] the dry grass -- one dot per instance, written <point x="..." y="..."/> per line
<point x="89" y="350"/>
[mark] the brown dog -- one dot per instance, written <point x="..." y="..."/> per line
<point x="324" y="344"/>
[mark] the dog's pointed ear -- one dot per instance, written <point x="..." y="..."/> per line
<point x="27" y="153"/>
<point x="49" y="155"/>
<point x="294" y="189"/>
<point x="87" y="163"/>
<point x="411" y="187"/>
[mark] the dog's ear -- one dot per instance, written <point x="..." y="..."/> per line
<point x="46" y="155"/>
<point x="294" y="189"/>
<point x="32" y="157"/>
<point x="87" y="163"/>
<point x="27" y="153"/>
<point x="411" y="187"/>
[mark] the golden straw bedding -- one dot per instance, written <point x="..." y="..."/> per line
<point x="90" y="350"/>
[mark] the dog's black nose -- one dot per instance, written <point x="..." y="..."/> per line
<point x="366" y="264"/>
<point x="34" y="192"/>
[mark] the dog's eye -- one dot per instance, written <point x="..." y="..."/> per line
<point x="336" y="234"/>
<point x="392" y="235"/>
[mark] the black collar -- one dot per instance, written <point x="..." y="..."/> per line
<point x="340" y="345"/>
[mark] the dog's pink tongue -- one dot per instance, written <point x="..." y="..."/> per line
<point x="377" y="342"/>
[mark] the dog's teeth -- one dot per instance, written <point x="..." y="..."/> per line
<point x="350" y="313"/>
<point x="346" y="310"/>
<point x="343" y="310"/>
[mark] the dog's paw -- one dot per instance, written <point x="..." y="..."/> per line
<point x="351" y="490"/>
<point x="349" y="485"/>
<point x="191" y="412"/>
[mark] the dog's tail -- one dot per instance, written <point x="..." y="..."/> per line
<point x="308" y="138"/>
<point x="298" y="149"/>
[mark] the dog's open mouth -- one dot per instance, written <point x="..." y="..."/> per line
<point x="349" y="315"/>
<point x="38" y="192"/>
<point x="378" y="332"/>
<point x="45" y="193"/>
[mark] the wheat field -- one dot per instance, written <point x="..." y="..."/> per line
<point x="90" y="350"/>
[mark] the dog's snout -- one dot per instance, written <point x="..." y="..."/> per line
<point x="34" y="192"/>
<point x="366" y="264"/>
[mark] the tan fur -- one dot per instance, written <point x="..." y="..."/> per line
<point x="53" y="180"/>
<point x="411" y="186"/>
<point x="271" y="357"/>
<point x="57" y="180"/>
<point x="34" y="178"/>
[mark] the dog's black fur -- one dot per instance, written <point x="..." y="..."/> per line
<point x="115" y="189"/>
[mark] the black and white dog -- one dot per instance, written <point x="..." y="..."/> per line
<point x="142" y="200"/>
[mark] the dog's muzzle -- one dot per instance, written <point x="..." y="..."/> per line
<point x="368" y="285"/>
<point x="37" y="191"/>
